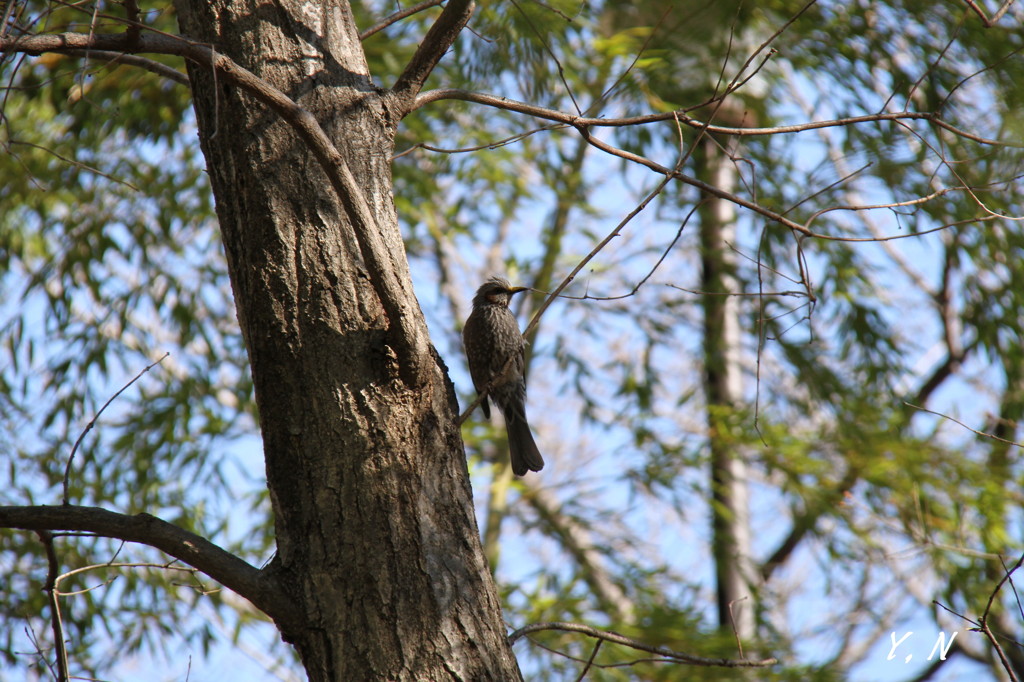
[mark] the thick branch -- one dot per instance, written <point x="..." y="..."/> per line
<point x="439" y="38"/>
<point x="409" y="336"/>
<point x="221" y="565"/>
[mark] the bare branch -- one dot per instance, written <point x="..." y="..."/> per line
<point x="551" y="54"/>
<point x="71" y="162"/>
<point x="661" y="259"/>
<point x="736" y="84"/>
<point x="338" y="172"/>
<point x="775" y="216"/>
<point x="168" y="566"/>
<point x="192" y="549"/>
<point x="699" y="184"/>
<point x="31" y="636"/>
<point x="982" y="626"/>
<point x="957" y="421"/>
<point x="398" y="16"/>
<point x="989" y="23"/>
<point x="512" y="139"/>
<point x="939" y="375"/>
<point x="616" y="638"/>
<point x="588" y="122"/>
<point x="5" y="19"/>
<point x="168" y="72"/>
<point x="590" y="661"/>
<point x="92" y="423"/>
<point x="439" y="38"/>
<point x="590" y="256"/>
<point x="656" y="28"/>
<point x="583" y="125"/>
<point x="56" y="623"/>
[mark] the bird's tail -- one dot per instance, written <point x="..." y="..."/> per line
<point x="522" y="448"/>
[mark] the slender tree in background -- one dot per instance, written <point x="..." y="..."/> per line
<point x="723" y="389"/>
<point x="725" y="194"/>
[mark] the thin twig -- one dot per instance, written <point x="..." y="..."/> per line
<point x="931" y="68"/>
<point x="636" y="58"/>
<point x="31" y="636"/>
<point x="168" y="566"/>
<point x="989" y="23"/>
<point x="512" y="139"/>
<point x="992" y="597"/>
<point x="551" y="53"/>
<point x="398" y="16"/>
<point x="957" y="421"/>
<point x="593" y="253"/>
<point x="735" y="628"/>
<point x="508" y="104"/>
<point x="50" y="587"/>
<point x="92" y="423"/>
<point x="590" y="661"/>
<point x="168" y="72"/>
<point x="683" y="156"/>
<point x="75" y="163"/>
<point x="669" y="174"/>
<point x="636" y="287"/>
<point x="771" y="39"/>
<point x="616" y="638"/>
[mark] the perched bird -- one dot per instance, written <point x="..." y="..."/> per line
<point x="494" y="348"/>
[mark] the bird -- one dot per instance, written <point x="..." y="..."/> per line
<point x="494" y="348"/>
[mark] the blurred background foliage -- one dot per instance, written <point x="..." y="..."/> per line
<point x="866" y="505"/>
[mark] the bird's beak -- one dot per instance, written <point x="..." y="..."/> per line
<point x="516" y="290"/>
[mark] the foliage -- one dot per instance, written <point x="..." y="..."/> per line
<point x="110" y="255"/>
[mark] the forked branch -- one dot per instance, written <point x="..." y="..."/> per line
<point x="439" y="38"/>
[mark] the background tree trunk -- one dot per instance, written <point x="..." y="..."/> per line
<point x="730" y="543"/>
<point x="377" y="540"/>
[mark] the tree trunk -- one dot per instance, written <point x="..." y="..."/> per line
<point x="723" y="390"/>
<point x="377" y="542"/>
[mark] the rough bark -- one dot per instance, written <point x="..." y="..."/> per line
<point x="377" y="541"/>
